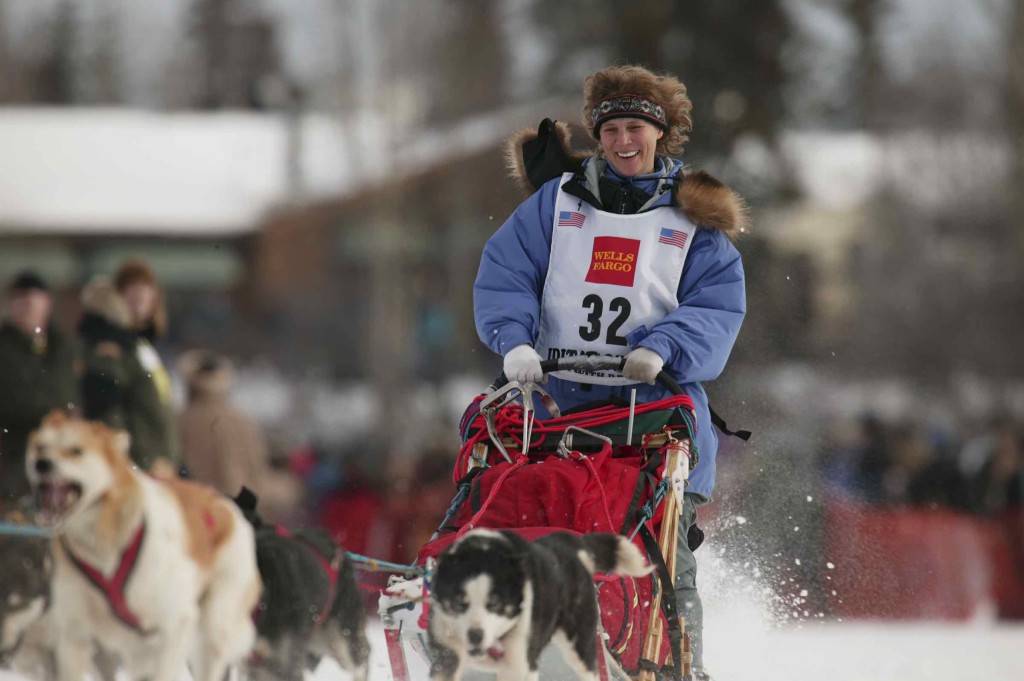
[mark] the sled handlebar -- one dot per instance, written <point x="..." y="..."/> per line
<point x="593" y="363"/>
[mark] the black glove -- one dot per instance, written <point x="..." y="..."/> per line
<point x="544" y="157"/>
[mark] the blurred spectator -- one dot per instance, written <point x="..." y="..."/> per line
<point x="223" y="447"/>
<point x="998" y="486"/>
<point x="392" y="511"/>
<point x="37" y="374"/>
<point x="917" y="476"/>
<point x="352" y="511"/>
<point x="874" y="458"/>
<point x="419" y="493"/>
<point x="854" y="464"/>
<point x="125" y="384"/>
<point x="136" y="281"/>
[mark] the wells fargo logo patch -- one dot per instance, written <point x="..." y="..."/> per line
<point x="613" y="261"/>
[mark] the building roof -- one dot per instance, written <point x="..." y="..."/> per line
<point x="139" y="172"/>
<point x="129" y="171"/>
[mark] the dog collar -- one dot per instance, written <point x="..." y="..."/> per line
<point x="113" y="588"/>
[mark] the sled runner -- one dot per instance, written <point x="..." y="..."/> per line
<point x="610" y="468"/>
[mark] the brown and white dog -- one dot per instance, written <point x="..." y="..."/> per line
<point x="160" y="571"/>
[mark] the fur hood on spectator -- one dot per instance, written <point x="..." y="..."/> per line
<point x="100" y="298"/>
<point x="534" y="156"/>
<point x="207" y="373"/>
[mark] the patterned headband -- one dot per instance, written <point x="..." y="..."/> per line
<point x="627" y="106"/>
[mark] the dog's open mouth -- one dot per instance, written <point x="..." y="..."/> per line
<point x="495" y="652"/>
<point x="57" y="497"/>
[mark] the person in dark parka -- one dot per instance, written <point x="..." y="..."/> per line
<point x="37" y="374"/>
<point x="118" y="388"/>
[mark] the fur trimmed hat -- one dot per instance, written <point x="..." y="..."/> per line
<point x="636" y="92"/>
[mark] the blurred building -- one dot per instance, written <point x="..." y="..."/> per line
<point x="386" y="264"/>
<point x="82" y="188"/>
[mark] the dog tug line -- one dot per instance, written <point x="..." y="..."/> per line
<point x="371" y="564"/>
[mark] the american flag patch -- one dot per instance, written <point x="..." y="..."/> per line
<point x="672" y="238"/>
<point x="570" y="219"/>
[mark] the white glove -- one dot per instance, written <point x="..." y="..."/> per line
<point x="643" y="365"/>
<point x="522" y="364"/>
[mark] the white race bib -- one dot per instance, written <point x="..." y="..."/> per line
<point x="611" y="278"/>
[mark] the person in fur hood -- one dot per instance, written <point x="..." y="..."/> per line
<point x="620" y="252"/>
<point x="122" y="385"/>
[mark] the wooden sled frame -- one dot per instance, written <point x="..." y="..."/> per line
<point x="668" y="539"/>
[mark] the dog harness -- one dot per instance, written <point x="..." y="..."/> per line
<point x="113" y="588"/>
<point x="329" y="568"/>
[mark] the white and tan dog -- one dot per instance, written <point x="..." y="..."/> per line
<point x="161" y="572"/>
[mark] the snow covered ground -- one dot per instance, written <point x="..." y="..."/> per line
<point x="751" y="635"/>
<point x="754" y="634"/>
<point x="743" y="650"/>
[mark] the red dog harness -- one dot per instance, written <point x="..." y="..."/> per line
<point x="329" y="568"/>
<point x="113" y="588"/>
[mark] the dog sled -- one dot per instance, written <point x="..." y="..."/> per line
<point x="609" y="468"/>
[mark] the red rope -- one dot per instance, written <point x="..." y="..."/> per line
<point x="519" y="463"/>
<point x="600" y="486"/>
<point x="509" y="423"/>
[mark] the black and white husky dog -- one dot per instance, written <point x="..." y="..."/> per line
<point x="310" y="606"/>
<point x="497" y="600"/>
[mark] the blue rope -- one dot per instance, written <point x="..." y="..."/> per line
<point x="463" y="493"/>
<point x="23" y="530"/>
<point x="385" y="565"/>
<point x="647" y="510"/>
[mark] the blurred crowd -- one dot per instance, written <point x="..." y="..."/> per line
<point x="947" y="498"/>
<point x="909" y="464"/>
<point x="108" y="364"/>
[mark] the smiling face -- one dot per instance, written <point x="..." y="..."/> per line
<point x="630" y="145"/>
<point x="70" y="463"/>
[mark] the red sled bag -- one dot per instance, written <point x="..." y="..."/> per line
<point x="610" y="491"/>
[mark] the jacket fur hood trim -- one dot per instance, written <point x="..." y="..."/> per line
<point x="99" y="297"/>
<point x="708" y="203"/>
<point x="704" y="200"/>
<point x="516" y="164"/>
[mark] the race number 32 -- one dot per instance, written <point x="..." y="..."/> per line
<point x="594" y="305"/>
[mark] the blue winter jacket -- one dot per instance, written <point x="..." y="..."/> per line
<point x="695" y="340"/>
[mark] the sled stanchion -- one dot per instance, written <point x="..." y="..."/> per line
<point x="632" y="414"/>
<point x="666" y="537"/>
